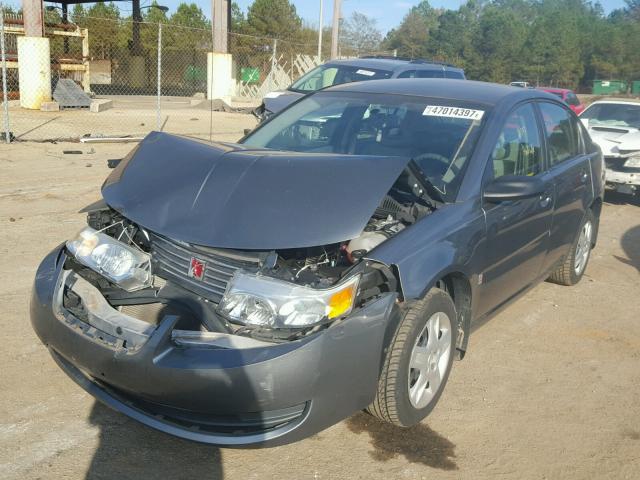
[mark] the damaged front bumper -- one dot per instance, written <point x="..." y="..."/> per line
<point x="621" y="178"/>
<point x="211" y="387"/>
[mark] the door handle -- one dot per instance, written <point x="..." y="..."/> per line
<point x="545" y="200"/>
<point x="584" y="176"/>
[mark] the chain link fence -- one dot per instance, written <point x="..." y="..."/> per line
<point x="120" y="78"/>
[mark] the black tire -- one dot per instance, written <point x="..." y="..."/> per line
<point x="392" y="403"/>
<point x="566" y="273"/>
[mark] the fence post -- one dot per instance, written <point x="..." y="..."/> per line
<point x="274" y="61"/>
<point x="158" y="111"/>
<point x="5" y="96"/>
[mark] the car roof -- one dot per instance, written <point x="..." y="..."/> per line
<point x="554" y="89"/>
<point x="462" y="90"/>
<point x="392" y="64"/>
<point x="620" y="101"/>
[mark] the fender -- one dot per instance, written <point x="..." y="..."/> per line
<point x="441" y="243"/>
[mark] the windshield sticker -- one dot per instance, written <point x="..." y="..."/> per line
<point x="452" y="112"/>
<point x="368" y="73"/>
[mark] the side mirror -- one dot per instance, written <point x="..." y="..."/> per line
<point x="247" y="131"/>
<point x="512" y="187"/>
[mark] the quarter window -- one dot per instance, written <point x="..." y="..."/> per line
<point x="517" y="151"/>
<point x="562" y="133"/>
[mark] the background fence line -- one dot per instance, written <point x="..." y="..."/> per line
<point x="5" y="95"/>
<point x="161" y="83"/>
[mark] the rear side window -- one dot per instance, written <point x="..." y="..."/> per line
<point x="563" y="137"/>
<point x="572" y="99"/>
<point x="422" y="74"/>
<point x="454" y="74"/>
<point x="408" y="74"/>
<point x="517" y="151"/>
<point x="431" y="73"/>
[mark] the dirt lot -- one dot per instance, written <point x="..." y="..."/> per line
<point x="549" y="389"/>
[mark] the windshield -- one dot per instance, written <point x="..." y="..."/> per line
<point x="613" y="114"/>
<point x="327" y="75"/>
<point x="439" y="135"/>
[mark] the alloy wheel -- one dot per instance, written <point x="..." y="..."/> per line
<point x="429" y="360"/>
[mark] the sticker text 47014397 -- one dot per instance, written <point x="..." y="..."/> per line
<point x="453" y="112"/>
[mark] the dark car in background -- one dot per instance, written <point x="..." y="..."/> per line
<point x="334" y="260"/>
<point x="336" y="72"/>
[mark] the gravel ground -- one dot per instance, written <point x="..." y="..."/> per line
<point x="549" y="388"/>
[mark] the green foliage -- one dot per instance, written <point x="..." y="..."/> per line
<point x="565" y="43"/>
<point x="273" y="18"/>
<point x="360" y="35"/>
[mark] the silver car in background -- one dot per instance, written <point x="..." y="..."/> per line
<point x="615" y="126"/>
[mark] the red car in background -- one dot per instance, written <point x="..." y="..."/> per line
<point x="567" y="96"/>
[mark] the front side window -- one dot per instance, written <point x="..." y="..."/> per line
<point x="563" y="136"/>
<point x="518" y="151"/>
<point x="328" y="75"/>
<point x="439" y="139"/>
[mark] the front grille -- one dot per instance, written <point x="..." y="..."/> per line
<point x="617" y="165"/>
<point x="614" y="163"/>
<point x="171" y="260"/>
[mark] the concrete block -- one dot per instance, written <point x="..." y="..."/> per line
<point x="199" y="95"/>
<point x="50" y="107"/>
<point x="220" y="84"/>
<point x="100" y="105"/>
<point x="34" y="73"/>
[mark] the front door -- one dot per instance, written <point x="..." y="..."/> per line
<point x="517" y="231"/>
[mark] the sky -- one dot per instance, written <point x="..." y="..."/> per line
<point x="387" y="13"/>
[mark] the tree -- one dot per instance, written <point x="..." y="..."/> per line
<point x="238" y="21"/>
<point x="274" y="19"/>
<point x="190" y="15"/>
<point x="360" y="34"/>
<point x="411" y="37"/>
<point x="498" y="42"/>
<point x="103" y="22"/>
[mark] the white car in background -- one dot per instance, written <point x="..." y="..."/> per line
<point x="615" y="126"/>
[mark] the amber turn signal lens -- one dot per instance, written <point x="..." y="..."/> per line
<point x="340" y="303"/>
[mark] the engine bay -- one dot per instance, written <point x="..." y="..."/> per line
<point x="185" y="290"/>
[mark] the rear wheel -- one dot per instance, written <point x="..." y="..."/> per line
<point x="418" y="362"/>
<point x="573" y="267"/>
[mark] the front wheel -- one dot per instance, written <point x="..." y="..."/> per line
<point x="418" y="362"/>
<point x="573" y="267"/>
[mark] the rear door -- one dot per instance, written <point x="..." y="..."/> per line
<point x="517" y="231"/>
<point x="570" y="169"/>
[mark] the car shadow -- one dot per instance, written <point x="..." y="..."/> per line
<point x="630" y="243"/>
<point x="418" y="444"/>
<point x="129" y="450"/>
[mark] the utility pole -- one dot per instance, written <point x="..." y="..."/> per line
<point x="220" y="25"/>
<point x="335" y="29"/>
<point x="136" y="14"/>
<point x="320" y="25"/>
<point x="33" y="15"/>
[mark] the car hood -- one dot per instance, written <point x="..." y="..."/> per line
<point x="229" y="196"/>
<point x="276" y="101"/>
<point x="615" y="140"/>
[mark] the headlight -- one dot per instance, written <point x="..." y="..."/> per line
<point x="633" y="161"/>
<point x="259" y="300"/>
<point x="123" y="265"/>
